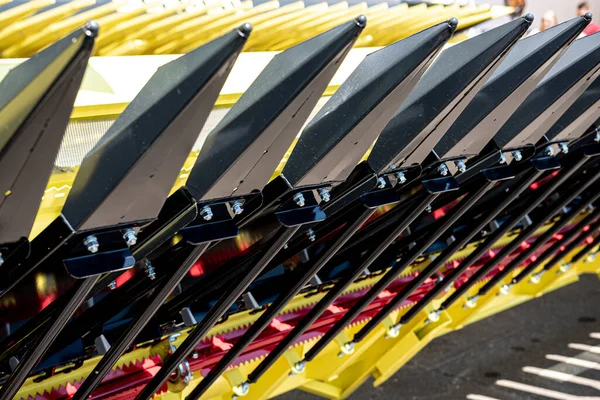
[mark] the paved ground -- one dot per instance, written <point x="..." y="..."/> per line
<point x="544" y="349"/>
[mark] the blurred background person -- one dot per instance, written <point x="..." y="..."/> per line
<point x="518" y="5"/>
<point x="549" y="20"/>
<point x="583" y="8"/>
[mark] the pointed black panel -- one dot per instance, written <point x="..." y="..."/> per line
<point x="517" y="77"/>
<point x="563" y="85"/>
<point x="579" y="117"/>
<point x="442" y="94"/>
<point x="344" y="129"/>
<point x="36" y="100"/>
<point x="242" y="152"/>
<point x="127" y="176"/>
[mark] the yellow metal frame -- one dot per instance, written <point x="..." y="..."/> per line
<point x="329" y="375"/>
<point x="165" y="27"/>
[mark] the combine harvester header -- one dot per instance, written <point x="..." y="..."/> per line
<point x="226" y="224"/>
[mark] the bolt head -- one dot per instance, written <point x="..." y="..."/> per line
<point x="242" y="390"/>
<point x="299" y="367"/>
<point x="443" y="170"/>
<point x="517" y="156"/>
<point x="549" y="151"/>
<point x="112" y="285"/>
<point x="348" y="348"/>
<point x="150" y="271"/>
<point x="505" y="290"/>
<point x="237" y="208"/>
<point x="401" y="178"/>
<point x="564" y="148"/>
<point x="434" y="316"/>
<point x="206" y="213"/>
<point x="381" y="183"/>
<point x="299" y="200"/>
<point x="394" y="331"/>
<point x="130" y="237"/>
<point x="91" y="242"/>
<point x="564" y="268"/>
<point x="535" y="279"/>
<point x="1" y="260"/>
<point x="471" y="302"/>
<point x="324" y="194"/>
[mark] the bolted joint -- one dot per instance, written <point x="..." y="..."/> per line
<point x="91" y="242"/>
<point x="1" y="260"/>
<point x="517" y="156"/>
<point x="381" y="183"/>
<point x="502" y="158"/>
<point x="597" y="138"/>
<point x="443" y="169"/>
<point x="393" y="332"/>
<point x="206" y="213"/>
<point x="401" y="178"/>
<point x="434" y="316"/>
<point x="471" y="302"/>
<point x="504" y="290"/>
<point x="130" y="237"/>
<point x="347" y="349"/>
<point x="149" y="269"/>
<point x="242" y="389"/>
<point x="460" y="166"/>
<point x="536" y="278"/>
<point x="299" y="199"/>
<point x="563" y="269"/>
<point x="591" y="257"/>
<point x="429" y="209"/>
<point x="564" y="148"/>
<point x="185" y="373"/>
<point x="311" y="235"/>
<point x="112" y="285"/>
<point x="298" y="367"/>
<point x="324" y="194"/>
<point x="237" y="207"/>
<point x="549" y="151"/>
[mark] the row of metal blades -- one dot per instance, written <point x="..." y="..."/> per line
<point x="419" y="146"/>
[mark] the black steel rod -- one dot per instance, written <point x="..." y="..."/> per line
<point x="298" y="281"/>
<point x="586" y="250"/>
<point x="329" y="298"/>
<point x="527" y="233"/>
<point x="549" y="252"/>
<point x="506" y="226"/>
<point x="117" y="349"/>
<point x="572" y="246"/>
<point x="78" y="294"/>
<point x="543" y="239"/>
<point x="232" y="293"/>
<point x="457" y="212"/>
<point x="442" y="259"/>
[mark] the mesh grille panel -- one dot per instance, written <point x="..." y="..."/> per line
<point x="80" y="138"/>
